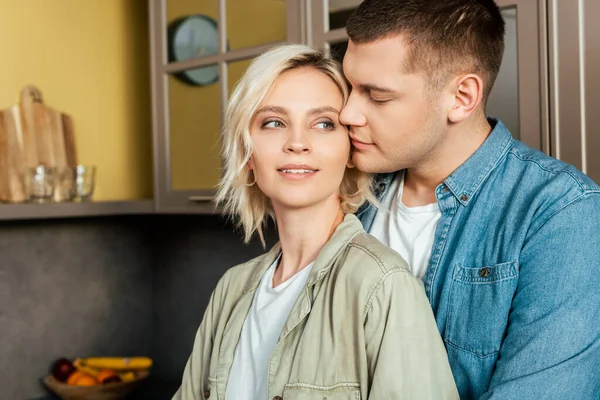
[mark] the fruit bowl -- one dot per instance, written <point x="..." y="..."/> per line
<point x="108" y="391"/>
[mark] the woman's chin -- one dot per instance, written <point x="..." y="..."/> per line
<point x="296" y="201"/>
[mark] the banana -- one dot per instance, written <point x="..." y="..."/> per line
<point x="83" y="368"/>
<point x="118" y="363"/>
<point x="126" y="376"/>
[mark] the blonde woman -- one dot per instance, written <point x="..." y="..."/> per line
<point x="329" y="312"/>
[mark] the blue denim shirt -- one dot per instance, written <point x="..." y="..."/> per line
<point x="513" y="278"/>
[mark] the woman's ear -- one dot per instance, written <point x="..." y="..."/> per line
<point x="250" y="164"/>
<point x="350" y="163"/>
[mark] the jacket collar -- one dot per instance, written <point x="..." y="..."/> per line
<point x="342" y="235"/>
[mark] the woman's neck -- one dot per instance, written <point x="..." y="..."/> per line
<point x="302" y="235"/>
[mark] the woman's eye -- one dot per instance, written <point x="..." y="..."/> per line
<point x="327" y="125"/>
<point x="272" y="124"/>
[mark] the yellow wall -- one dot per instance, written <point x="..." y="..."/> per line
<point x="90" y="59"/>
<point x="195" y="113"/>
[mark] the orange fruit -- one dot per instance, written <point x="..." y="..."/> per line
<point x="80" y="378"/>
<point x="86" y="380"/>
<point x="74" y="377"/>
<point x="106" y="374"/>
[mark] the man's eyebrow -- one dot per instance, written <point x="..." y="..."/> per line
<point x="375" y="88"/>
<point x="273" y="109"/>
<point x="321" y="110"/>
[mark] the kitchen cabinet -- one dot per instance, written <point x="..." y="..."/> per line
<point x="193" y="72"/>
<point x="544" y="92"/>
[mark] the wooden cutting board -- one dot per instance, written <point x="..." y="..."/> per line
<point x="12" y="162"/>
<point x="31" y="134"/>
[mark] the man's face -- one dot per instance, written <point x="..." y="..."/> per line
<point x="394" y="122"/>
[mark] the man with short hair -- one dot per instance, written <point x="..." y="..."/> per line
<point x="505" y="238"/>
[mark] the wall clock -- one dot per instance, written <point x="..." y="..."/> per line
<point x="194" y="36"/>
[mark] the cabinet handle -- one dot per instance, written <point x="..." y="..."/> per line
<point x="201" y="199"/>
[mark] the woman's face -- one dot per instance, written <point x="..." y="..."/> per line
<point x="300" y="147"/>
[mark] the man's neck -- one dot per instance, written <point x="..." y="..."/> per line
<point x="302" y="235"/>
<point x="461" y="141"/>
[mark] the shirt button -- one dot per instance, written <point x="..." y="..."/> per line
<point x="484" y="272"/>
<point x="206" y="394"/>
<point x="464" y="197"/>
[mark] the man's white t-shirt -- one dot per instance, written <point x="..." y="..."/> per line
<point x="410" y="231"/>
<point x="269" y="311"/>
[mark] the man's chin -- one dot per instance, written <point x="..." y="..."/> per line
<point x="371" y="163"/>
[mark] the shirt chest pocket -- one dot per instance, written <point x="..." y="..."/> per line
<point x="302" y="391"/>
<point x="479" y="304"/>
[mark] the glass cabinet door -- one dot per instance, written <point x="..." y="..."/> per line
<point x="199" y="50"/>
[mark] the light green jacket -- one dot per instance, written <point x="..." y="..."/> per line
<point x="361" y="329"/>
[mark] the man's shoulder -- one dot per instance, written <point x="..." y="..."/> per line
<point x="539" y="168"/>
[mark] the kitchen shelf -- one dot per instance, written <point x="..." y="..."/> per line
<point x="68" y="209"/>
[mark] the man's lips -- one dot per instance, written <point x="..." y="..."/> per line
<point x="360" y="144"/>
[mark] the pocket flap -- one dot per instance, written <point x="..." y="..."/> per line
<point x="486" y="274"/>
<point x="305" y="391"/>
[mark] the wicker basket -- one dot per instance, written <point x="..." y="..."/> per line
<point x="108" y="391"/>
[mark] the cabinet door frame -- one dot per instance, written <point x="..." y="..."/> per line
<point x="573" y="53"/>
<point x="532" y="62"/>
<point x="194" y="201"/>
<point x="532" y="65"/>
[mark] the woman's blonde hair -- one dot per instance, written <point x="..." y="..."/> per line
<point x="237" y="192"/>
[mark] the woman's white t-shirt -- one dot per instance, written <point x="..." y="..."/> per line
<point x="269" y="311"/>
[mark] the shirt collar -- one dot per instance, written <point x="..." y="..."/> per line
<point x="467" y="178"/>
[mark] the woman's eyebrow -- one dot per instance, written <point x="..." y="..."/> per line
<point x="310" y="112"/>
<point x="321" y="110"/>
<point x="273" y="109"/>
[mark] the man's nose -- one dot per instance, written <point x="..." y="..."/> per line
<point x="352" y="114"/>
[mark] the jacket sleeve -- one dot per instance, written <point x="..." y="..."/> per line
<point x="405" y="354"/>
<point x="552" y="344"/>
<point x="195" y="375"/>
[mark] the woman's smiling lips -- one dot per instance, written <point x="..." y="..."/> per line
<point x="297" y="171"/>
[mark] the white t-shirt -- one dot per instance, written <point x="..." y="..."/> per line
<point x="269" y="311"/>
<point x="410" y="231"/>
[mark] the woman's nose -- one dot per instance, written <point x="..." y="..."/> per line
<point x="297" y="143"/>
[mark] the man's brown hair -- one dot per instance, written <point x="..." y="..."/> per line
<point x="443" y="37"/>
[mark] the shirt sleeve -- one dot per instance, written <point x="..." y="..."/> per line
<point x="552" y="345"/>
<point x="405" y="353"/>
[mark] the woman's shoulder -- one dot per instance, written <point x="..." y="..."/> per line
<point x="369" y="270"/>
<point x="368" y="253"/>
<point x="240" y="276"/>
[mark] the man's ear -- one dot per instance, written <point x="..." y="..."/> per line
<point x="467" y="96"/>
